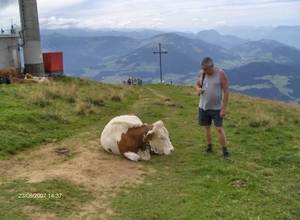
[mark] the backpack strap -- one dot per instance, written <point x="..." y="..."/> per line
<point x="202" y="80"/>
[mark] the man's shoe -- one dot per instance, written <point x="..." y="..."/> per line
<point x="226" y="155"/>
<point x="208" y="150"/>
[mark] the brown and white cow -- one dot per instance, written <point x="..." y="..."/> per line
<point x="36" y="78"/>
<point x="126" y="135"/>
<point x="22" y="81"/>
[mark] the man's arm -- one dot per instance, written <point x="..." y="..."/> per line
<point x="224" y="82"/>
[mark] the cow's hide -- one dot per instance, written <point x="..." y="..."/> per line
<point x="23" y="81"/>
<point x="8" y="72"/>
<point x="36" y="78"/>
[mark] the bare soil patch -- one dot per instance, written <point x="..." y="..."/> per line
<point x="77" y="162"/>
<point x="238" y="183"/>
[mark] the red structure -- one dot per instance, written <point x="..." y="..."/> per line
<point x="53" y="63"/>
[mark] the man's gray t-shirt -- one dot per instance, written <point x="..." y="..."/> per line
<point x="211" y="99"/>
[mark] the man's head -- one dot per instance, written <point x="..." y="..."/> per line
<point x="207" y="65"/>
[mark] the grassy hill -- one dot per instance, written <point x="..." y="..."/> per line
<point x="266" y="80"/>
<point x="49" y="148"/>
<point x="266" y="50"/>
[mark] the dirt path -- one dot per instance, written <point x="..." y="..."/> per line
<point x="84" y="163"/>
<point x="155" y="93"/>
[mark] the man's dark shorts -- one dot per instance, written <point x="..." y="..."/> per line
<point x="205" y="117"/>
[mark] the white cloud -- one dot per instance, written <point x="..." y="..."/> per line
<point x="220" y="23"/>
<point x="124" y="23"/>
<point x="6" y="3"/>
<point x="53" y="23"/>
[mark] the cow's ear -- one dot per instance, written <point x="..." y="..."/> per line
<point x="148" y="137"/>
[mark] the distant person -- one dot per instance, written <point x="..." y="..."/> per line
<point x="212" y="86"/>
<point x="12" y="30"/>
<point x="140" y="82"/>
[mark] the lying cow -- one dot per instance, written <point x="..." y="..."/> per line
<point x="36" y="78"/>
<point x="22" y="81"/>
<point x="128" y="136"/>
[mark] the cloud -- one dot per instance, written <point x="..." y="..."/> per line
<point x="6" y="3"/>
<point x="124" y="24"/>
<point x="54" y="23"/>
<point x="169" y="14"/>
<point x="220" y="23"/>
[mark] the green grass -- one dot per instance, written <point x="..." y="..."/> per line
<point x="263" y="141"/>
<point x="56" y="197"/>
<point x="262" y="136"/>
<point x="32" y="113"/>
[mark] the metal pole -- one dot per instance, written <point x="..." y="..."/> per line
<point x="160" y="63"/>
<point x="160" y="60"/>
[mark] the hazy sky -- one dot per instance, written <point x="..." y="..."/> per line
<point x="178" y="15"/>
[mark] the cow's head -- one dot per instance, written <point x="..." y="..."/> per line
<point x="158" y="138"/>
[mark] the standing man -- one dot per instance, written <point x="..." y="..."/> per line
<point x="212" y="86"/>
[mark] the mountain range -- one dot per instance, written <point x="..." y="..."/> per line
<point x="114" y="56"/>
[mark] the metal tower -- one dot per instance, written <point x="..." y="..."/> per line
<point x="31" y="40"/>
